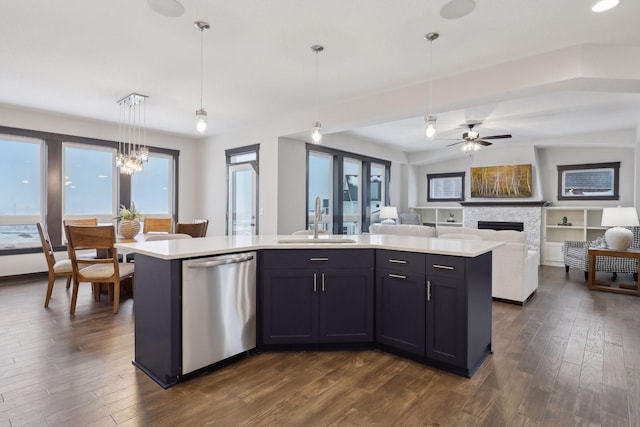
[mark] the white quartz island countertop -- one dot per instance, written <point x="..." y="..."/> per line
<point x="217" y="245"/>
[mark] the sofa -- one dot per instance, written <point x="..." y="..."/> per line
<point x="514" y="268"/>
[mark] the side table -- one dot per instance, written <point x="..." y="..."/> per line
<point x="608" y="286"/>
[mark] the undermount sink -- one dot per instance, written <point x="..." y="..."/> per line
<point x="319" y="240"/>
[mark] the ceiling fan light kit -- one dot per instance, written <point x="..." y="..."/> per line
<point x="472" y="140"/>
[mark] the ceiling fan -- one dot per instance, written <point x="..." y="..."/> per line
<point x="472" y="139"/>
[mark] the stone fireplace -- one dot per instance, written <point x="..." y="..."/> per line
<point x="529" y="213"/>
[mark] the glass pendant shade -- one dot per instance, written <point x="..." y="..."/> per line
<point x="431" y="127"/>
<point x="201" y="120"/>
<point x="316" y="133"/>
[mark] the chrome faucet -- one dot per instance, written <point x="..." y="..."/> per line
<point x="317" y="218"/>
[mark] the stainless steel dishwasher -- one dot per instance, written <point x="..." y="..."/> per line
<point x="218" y="309"/>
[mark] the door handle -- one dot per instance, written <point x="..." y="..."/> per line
<point x="315" y="282"/>
<point x="322" y="282"/>
<point x="428" y="290"/>
<point x="397" y="261"/>
<point x="397" y="276"/>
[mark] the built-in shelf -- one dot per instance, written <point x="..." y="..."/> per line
<point x="437" y="216"/>
<point x="585" y="226"/>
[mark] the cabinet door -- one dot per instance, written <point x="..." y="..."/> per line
<point x="400" y="311"/>
<point x="446" y="320"/>
<point x="346" y="305"/>
<point x="290" y="307"/>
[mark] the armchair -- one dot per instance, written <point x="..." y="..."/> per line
<point x="576" y="256"/>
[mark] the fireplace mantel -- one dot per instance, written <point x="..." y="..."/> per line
<point x="507" y="203"/>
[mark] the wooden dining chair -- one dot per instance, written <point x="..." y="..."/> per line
<point x="197" y="229"/>
<point x="80" y="221"/>
<point x="99" y="270"/>
<point x="56" y="269"/>
<point x="206" y="225"/>
<point x="158" y="225"/>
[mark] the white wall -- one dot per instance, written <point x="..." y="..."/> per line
<point x="292" y="179"/>
<point x="545" y="156"/>
<point x="189" y="199"/>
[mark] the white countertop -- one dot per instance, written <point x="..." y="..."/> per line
<point x="217" y="245"/>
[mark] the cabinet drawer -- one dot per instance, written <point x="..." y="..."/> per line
<point x="445" y="266"/>
<point x="400" y="261"/>
<point x="317" y="258"/>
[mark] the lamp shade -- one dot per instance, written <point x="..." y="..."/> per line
<point x="388" y="214"/>
<point x="619" y="238"/>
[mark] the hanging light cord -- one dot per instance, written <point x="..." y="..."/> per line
<point x="317" y="85"/>
<point x="201" y="63"/>
<point x="430" y="73"/>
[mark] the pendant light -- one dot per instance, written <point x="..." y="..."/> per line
<point x="430" y="120"/>
<point x="316" y="129"/>
<point x="201" y="114"/>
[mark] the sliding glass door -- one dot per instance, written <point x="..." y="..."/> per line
<point x="321" y="185"/>
<point x="351" y="187"/>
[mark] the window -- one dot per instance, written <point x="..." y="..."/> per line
<point x="152" y="190"/>
<point x="21" y="192"/>
<point x="321" y="168"/>
<point x="351" y="188"/>
<point x="592" y="181"/>
<point x="445" y="187"/>
<point x="89" y="183"/>
<point x="377" y="188"/>
<point x="242" y="190"/>
<point x="47" y="177"/>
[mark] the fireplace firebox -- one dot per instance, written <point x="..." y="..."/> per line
<point x="501" y="225"/>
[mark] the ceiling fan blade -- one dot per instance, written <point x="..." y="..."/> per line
<point x="483" y="143"/>
<point x="455" y="143"/>
<point x="496" y="137"/>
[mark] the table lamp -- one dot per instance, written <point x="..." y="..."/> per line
<point x="388" y="214"/>
<point x="617" y="237"/>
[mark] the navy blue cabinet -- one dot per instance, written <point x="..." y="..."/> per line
<point x="435" y="307"/>
<point x="400" y="300"/>
<point x="317" y="296"/>
<point x="458" y="320"/>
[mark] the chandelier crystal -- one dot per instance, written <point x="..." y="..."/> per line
<point x="132" y="149"/>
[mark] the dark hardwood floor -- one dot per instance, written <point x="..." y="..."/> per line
<point x="569" y="357"/>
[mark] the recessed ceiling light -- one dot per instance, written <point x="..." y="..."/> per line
<point x="170" y="8"/>
<point x="457" y="9"/>
<point x="604" y="5"/>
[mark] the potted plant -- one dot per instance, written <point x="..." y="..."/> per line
<point x="128" y="221"/>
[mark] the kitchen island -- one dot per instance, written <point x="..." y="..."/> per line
<point x="423" y="298"/>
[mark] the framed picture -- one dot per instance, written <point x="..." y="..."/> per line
<point x="501" y="181"/>
<point x="445" y="187"/>
<point x="590" y="181"/>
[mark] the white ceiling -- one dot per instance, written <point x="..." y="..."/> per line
<point x="79" y="57"/>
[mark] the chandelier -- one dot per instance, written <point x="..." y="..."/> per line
<point x="132" y="150"/>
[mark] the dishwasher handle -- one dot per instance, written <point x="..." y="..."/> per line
<point x="216" y="263"/>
